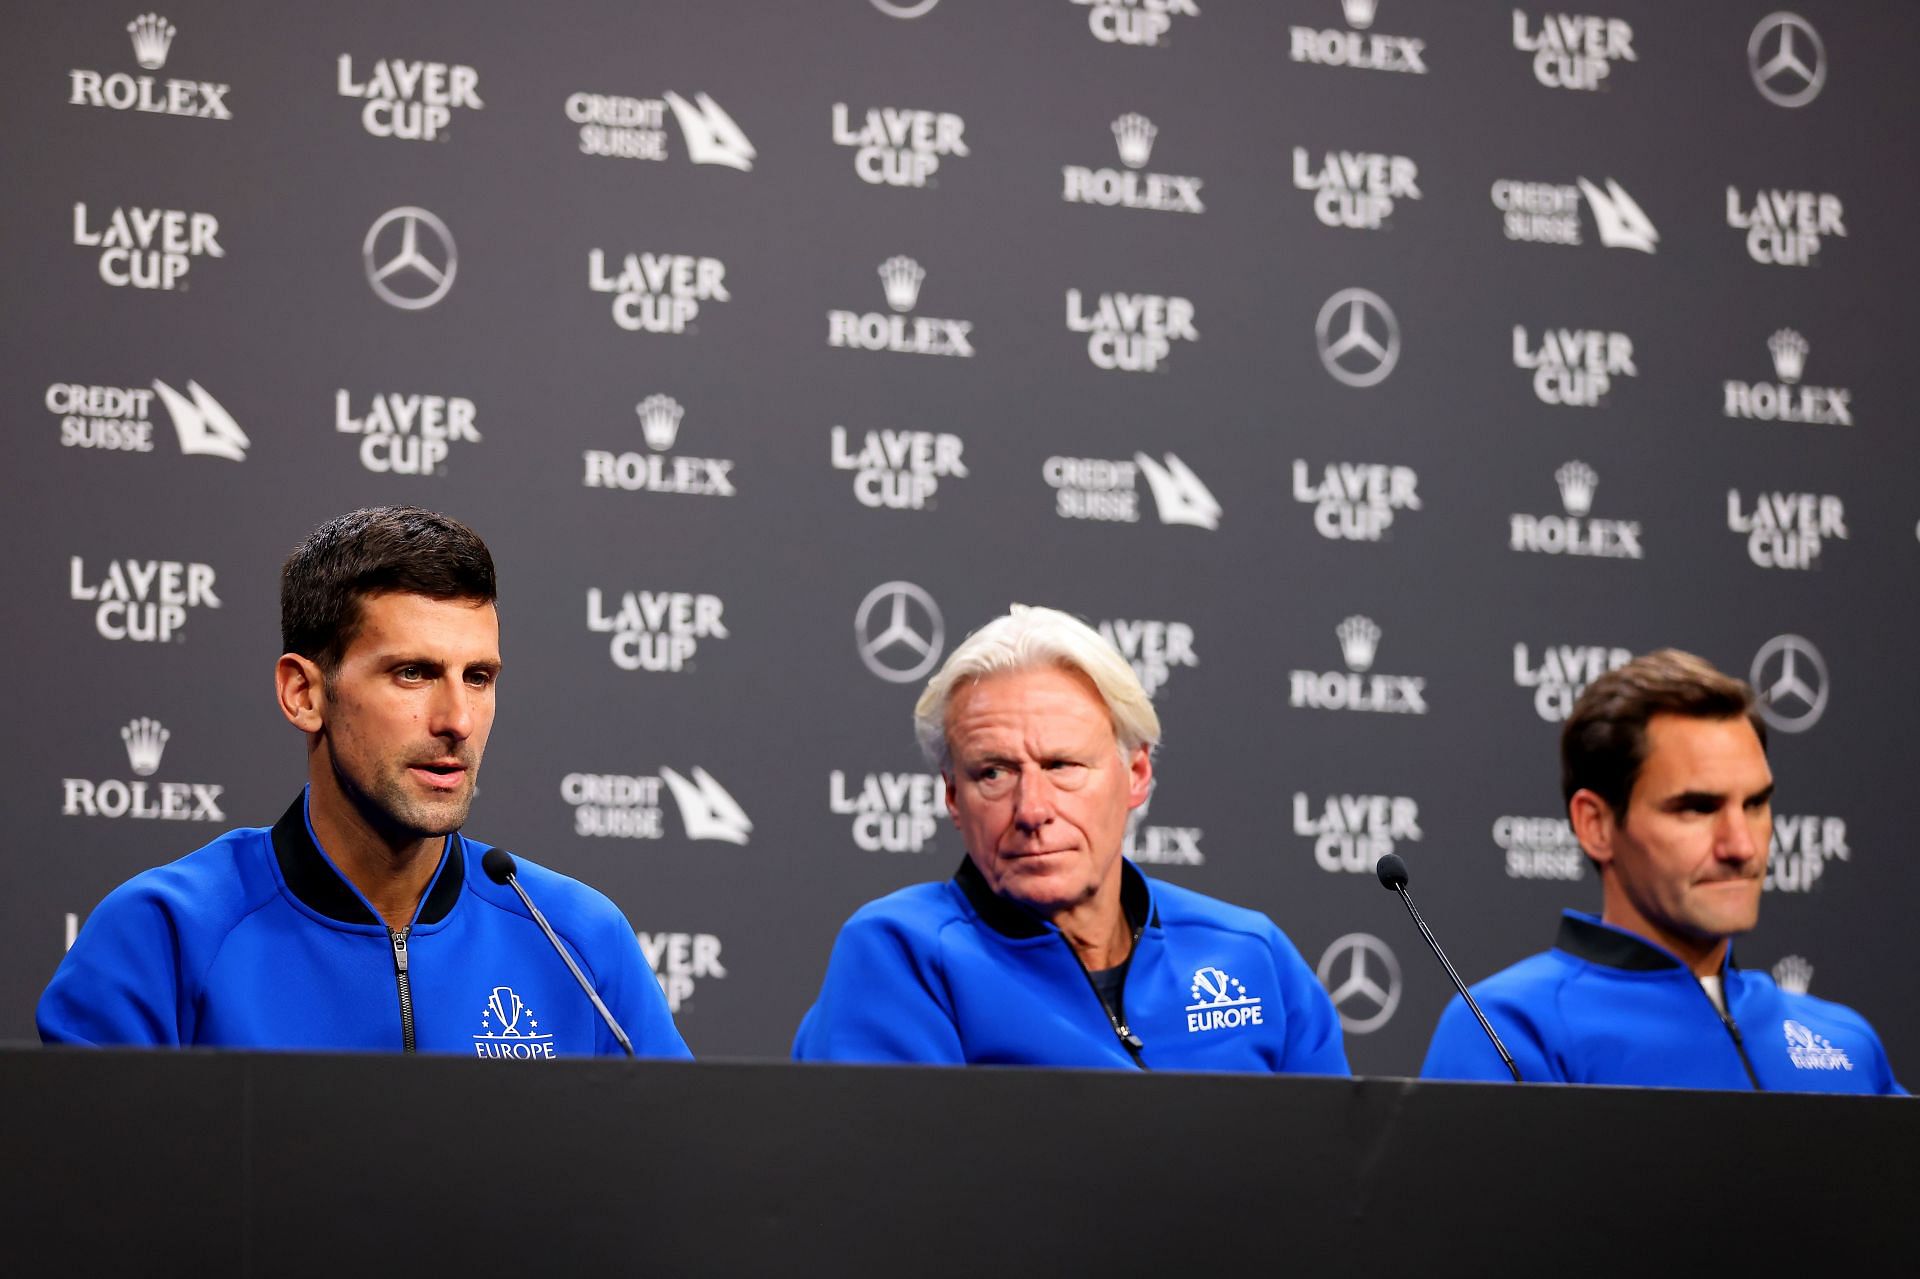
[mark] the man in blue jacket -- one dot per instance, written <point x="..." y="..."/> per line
<point x="362" y="919"/>
<point x="1048" y="947"/>
<point x="1664" y="767"/>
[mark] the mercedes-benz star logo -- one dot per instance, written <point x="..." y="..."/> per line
<point x="1791" y="678"/>
<point x="894" y="644"/>
<point x="404" y="275"/>
<point x="904" y="8"/>
<point x="1785" y="78"/>
<point x="1352" y="970"/>
<point x="1355" y="354"/>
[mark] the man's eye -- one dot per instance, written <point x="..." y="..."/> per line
<point x="410" y="673"/>
<point x="480" y="679"/>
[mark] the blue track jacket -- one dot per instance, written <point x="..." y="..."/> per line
<point x="256" y="941"/>
<point x="950" y="973"/>
<point x="1606" y="1006"/>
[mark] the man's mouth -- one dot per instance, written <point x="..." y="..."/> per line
<point x="441" y="774"/>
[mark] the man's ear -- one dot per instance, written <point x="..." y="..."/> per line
<point x="1139" y="777"/>
<point x="302" y="692"/>
<point x="1593" y="824"/>
<point x="953" y="809"/>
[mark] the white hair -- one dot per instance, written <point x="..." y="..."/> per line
<point x="1025" y="638"/>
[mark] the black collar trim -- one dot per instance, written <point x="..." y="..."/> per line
<point x="313" y="879"/>
<point x="1010" y="919"/>
<point x="1598" y="944"/>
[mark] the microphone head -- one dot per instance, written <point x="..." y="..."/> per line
<point x="498" y="863"/>
<point x="1392" y="871"/>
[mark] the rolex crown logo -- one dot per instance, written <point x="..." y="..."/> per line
<point x="901" y="277"/>
<point x="1135" y="133"/>
<point x="1793" y="973"/>
<point x="659" y="421"/>
<point x="145" y="739"/>
<point x="1359" y="640"/>
<point x="152" y="34"/>
<point x="1359" y="12"/>
<point x="1789" y="354"/>
<point x="1576" y="481"/>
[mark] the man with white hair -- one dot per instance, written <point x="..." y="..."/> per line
<point x="1047" y="947"/>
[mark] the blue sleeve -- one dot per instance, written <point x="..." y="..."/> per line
<point x="121" y="984"/>
<point x="1315" y="1045"/>
<point x="1461" y="1050"/>
<point x="883" y="1000"/>
<point x="631" y="992"/>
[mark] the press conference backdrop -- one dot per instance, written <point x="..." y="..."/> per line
<point x="1373" y="374"/>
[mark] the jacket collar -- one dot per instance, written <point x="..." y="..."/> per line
<point x="316" y="882"/>
<point x="1011" y="919"/>
<point x="1586" y="937"/>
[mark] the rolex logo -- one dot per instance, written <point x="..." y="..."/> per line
<point x="1793" y="973"/>
<point x="1577" y="481"/>
<point x="1359" y="12"/>
<point x="1789" y="354"/>
<point x="901" y="277"/>
<point x="1134" y="133"/>
<point x="659" y="421"/>
<point x="1359" y="639"/>
<point x="145" y="739"/>
<point x="152" y="34"/>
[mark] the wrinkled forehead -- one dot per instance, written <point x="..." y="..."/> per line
<point x="1039" y="710"/>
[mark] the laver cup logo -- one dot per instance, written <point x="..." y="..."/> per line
<point x="145" y="601"/>
<point x="1559" y="673"/>
<point x="1573" y="51"/>
<point x="1785" y="228"/>
<point x="891" y="812"/>
<point x="657" y="631"/>
<point x="1134" y="22"/>
<point x="152" y="37"/>
<point x="1574" y="367"/>
<point x="1357" y="189"/>
<point x="405" y="434"/>
<point x="899" y="146"/>
<point x="1131" y="332"/>
<point x="1355" y="501"/>
<point x="146" y="248"/>
<point x="897" y="470"/>
<point x="1352" y="832"/>
<point x="657" y="292"/>
<point x="409" y="100"/>
<point x="1787" y="530"/>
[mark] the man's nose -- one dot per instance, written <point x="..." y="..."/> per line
<point x="1033" y="801"/>
<point x="1737" y="838"/>
<point x="451" y="713"/>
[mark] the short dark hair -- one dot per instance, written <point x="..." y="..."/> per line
<point x="1604" y="743"/>
<point x="374" y="551"/>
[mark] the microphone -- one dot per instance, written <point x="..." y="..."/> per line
<point x="498" y="863"/>
<point x="1393" y="874"/>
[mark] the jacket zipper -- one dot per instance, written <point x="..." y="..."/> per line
<point x="399" y="940"/>
<point x="1128" y="1040"/>
<point x="1733" y="1031"/>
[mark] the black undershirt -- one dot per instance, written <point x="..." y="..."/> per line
<point x="1108" y="983"/>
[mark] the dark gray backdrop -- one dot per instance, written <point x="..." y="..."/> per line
<point x="286" y="319"/>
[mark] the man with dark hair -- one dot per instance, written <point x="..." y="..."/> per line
<point x="362" y="919"/>
<point x="1664" y="769"/>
